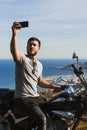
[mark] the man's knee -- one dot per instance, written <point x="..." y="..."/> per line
<point x="43" y="120"/>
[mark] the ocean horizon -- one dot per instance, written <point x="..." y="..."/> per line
<point x="51" y="67"/>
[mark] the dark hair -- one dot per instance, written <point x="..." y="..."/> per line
<point x="34" y="39"/>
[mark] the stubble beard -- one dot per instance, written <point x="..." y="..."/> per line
<point x="32" y="54"/>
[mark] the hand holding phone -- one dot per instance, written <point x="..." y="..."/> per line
<point x="24" y="24"/>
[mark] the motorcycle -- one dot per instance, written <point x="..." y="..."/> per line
<point x="61" y="110"/>
<point x="76" y="97"/>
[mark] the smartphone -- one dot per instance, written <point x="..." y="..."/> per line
<point x="24" y="24"/>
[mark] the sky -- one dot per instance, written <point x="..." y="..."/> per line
<point x="61" y="26"/>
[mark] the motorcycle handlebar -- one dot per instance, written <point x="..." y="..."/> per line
<point x="78" y="71"/>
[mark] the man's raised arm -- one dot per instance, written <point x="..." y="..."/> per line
<point x="13" y="44"/>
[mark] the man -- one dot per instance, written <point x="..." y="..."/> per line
<point x="28" y="76"/>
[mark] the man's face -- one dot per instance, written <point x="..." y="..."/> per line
<point x="33" y="48"/>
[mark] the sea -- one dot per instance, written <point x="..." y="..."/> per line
<point x="51" y="67"/>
